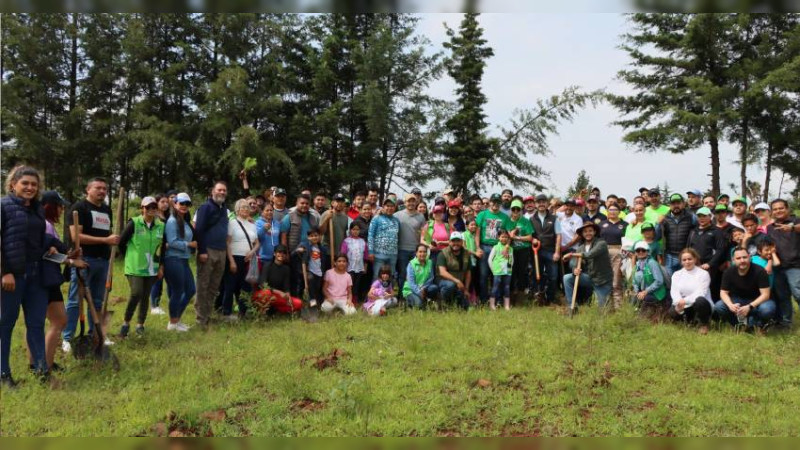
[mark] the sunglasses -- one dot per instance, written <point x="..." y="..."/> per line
<point x="151" y="207"/>
<point x="516" y="209"/>
<point x="185" y="203"/>
<point x="640" y="250"/>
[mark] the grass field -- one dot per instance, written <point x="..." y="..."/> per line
<point x="527" y="372"/>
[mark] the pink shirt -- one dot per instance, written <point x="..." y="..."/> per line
<point x="440" y="235"/>
<point x="337" y="284"/>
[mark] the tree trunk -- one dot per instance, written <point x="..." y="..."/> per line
<point x="73" y="71"/>
<point x="713" y="140"/>
<point x="768" y="169"/>
<point x="744" y="151"/>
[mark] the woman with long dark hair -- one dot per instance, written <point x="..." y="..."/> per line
<point x="180" y="243"/>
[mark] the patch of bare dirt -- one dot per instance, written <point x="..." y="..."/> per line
<point x="325" y="360"/>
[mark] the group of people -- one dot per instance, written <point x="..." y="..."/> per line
<point x="692" y="258"/>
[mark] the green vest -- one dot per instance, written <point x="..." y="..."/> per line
<point x="420" y="274"/>
<point x="648" y="279"/>
<point x="139" y="257"/>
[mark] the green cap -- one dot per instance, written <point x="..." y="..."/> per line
<point x="495" y="198"/>
<point x="516" y="204"/>
<point x="719" y="208"/>
<point x="648" y="226"/>
<point x="739" y="200"/>
<point x="675" y="198"/>
<point x="389" y="200"/>
<point x="704" y="211"/>
<point x="723" y="195"/>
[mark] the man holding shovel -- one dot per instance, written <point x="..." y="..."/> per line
<point x="594" y="275"/>
<point x="96" y="240"/>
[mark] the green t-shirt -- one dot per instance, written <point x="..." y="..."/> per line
<point x="524" y="228"/>
<point x="490" y="225"/>
<point x="654" y="215"/>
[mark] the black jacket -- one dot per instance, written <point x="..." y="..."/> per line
<point x="710" y="244"/>
<point x="676" y="231"/>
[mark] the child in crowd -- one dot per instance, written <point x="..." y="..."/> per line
<point x="649" y="235"/>
<point x="276" y="296"/>
<point x="356" y="250"/>
<point x="767" y="258"/>
<point x="382" y="293"/>
<point x="501" y="259"/>
<point x="311" y="254"/>
<point x="337" y="288"/>
<point x="469" y="246"/>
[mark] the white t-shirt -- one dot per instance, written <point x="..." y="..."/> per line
<point x="569" y="226"/>
<point x="239" y="245"/>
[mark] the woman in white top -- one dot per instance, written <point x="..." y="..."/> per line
<point x="691" y="298"/>
<point x="242" y="247"/>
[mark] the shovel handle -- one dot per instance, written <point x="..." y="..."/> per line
<point x="536" y="261"/>
<point x="575" y="287"/>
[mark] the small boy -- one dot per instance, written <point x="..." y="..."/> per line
<point x="767" y="258"/>
<point x="312" y="258"/>
<point x="649" y="235"/>
<point x="501" y="259"/>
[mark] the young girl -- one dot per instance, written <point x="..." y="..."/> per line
<point x="501" y="259"/>
<point x="649" y="235"/>
<point x="469" y="246"/>
<point x="337" y="288"/>
<point x="276" y="276"/>
<point x="648" y="281"/>
<point x="382" y="293"/>
<point x="356" y="250"/>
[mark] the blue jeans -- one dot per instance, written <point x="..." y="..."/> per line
<point x="155" y="293"/>
<point x="180" y="285"/>
<point x="415" y="301"/>
<point x="449" y="292"/>
<point x="672" y="263"/>
<point x="548" y="274"/>
<point x="586" y="287"/>
<point x="382" y="259"/>
<point x="787" y="284"/>
<point x="403" y="258"/>
<point x="763" y="313"/>
<point x="32" y="297"/>
<point x="483" y="282"/>
<point x="501" y="287"/>
<point x="95" y="279"/>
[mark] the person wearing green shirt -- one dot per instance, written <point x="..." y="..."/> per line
<point x="501" y="260"/>
<point x="490" y="221"/>
<point x="139" y="242"/>
<point x="521" y="232"/>
<point x="656" y="212"/>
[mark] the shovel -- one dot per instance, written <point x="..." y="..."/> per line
<point x="575" y="289"/>
<point x="308" y="313"/>
<point x="105" y="315"/>
<point x="538" y="296"/>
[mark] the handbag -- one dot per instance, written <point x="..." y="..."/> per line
<point x="252" y="269"/>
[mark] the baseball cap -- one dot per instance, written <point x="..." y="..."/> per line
<point x="704" y="211"/>
<point x="695" y="192"/>
<point x="172" y="192"/>
<point x="516" y="204"/>
<point x="416" y="191"/>
<point x="641" y="245"/>
<point x="439" y="201"/>
<point x="569" y="200"/>
<point x="654" y="191"/>
<point x="279" y="191"/>
<point x="53" y="198"/>
<point x="456" y="236"/>
<point x="592" y="198"/>
<point x="529" y="198"/>
<point x="495" y="198"/>
<point x="719" y="208"/>
<point x="650" y="226"/>
<point x="339" y="197"/>
<point x="541" y="197"/>
<point x="148" y="201"/>
<point x="183" y="197"/>
<point x="644" y="189"/>
<point x="723" y="196"/>
<point x="438" y="209"/>
<point x="579" y="202"/>
<point x="761" y="206"/>
<point x="739" y="200"/>
<point x="408" y="197"/>
<point x="448" y="190"/>
<point x="453" y="204"/>
<point x="389" y="200"/>
<point x="675" y="198"/>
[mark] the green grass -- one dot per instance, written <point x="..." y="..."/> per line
<point x="416" y="373"/>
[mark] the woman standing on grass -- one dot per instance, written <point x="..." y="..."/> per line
<point x="178" y="274"/>
<point x="691" y="297"/>
<point x="243" y="246"/>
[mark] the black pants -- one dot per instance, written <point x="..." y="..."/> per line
<point x="315" y="288"/>
<point x="356" y="277"/>
<point x="716" y="282"/>
<point x="520" y="275"/>
<point x="650" y="305"/>
<point x="140" y="297"/>
<point x="700" y="311"/>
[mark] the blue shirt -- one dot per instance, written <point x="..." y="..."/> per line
<point x="177" y="247"/>
<point x="759" y="261"/>
<point x="268" y="240"/>
<point x="305" y="225"/>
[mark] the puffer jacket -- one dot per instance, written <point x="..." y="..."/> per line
<point x="14" y="218"/>
<point x="676" y="231"/>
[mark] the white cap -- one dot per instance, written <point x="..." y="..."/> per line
<point x="762" y="205"/>
<point x="182" y="197"/>
<point x="641" y="245"/>
<point x="455" y="235"/>
<point x="148" y="201"/>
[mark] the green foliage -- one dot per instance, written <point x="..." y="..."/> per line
<point x="581" y="186"/>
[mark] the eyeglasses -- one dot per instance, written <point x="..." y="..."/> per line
<point x="185" y="203"/>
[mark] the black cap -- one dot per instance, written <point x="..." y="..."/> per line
<point x="172" y="192"/>
<point x="541" y="197"/>
<point x="416" y="191"/>
<point x="439" y="200"/>
<point x="644" y="189"/>
<point x="654" y="191"/>
<point x="53" y="198"/>
<point x="339" y="197"/>
<point x="279" y="191"/>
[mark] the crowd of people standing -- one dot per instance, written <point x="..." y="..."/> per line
<point x="691" y="258"/>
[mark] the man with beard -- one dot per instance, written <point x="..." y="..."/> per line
<point x="785" y="232"/>
<point x="709" y="202"/>
<point x="530" y="207"/>
<point x="506" y="196"/>
<point x="372" y="200"/>
<point x="294" y="231"/>
<point x="211" y="234"/>
<point x="593" y="213"/>
<point x="693" y="200"/>
<point x="279" y="204"/>
<point x="546" y="228"/>
<point x="676" y="228"/>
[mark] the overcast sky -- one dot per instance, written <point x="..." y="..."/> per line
<point x="537" y="55"/>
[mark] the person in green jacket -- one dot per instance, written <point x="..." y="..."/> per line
<point x="501" y="261"/>
<point x="140" y="243"/>
<point x="419" y="285"/>
<point x="649" y="287"/>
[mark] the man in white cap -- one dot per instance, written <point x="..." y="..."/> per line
<point x="694" y="200"/>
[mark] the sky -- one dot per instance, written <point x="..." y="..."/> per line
<point x="538" y="55"/>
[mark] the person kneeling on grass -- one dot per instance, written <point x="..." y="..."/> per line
<point x="276" y="276"/>
<point x="648" y="282"/>
<point x="745" y="294"/>
<point x="691" y="297"/>
<point x="337" y="288"/>
<point x="597" y="263"/>
<point x="382" y="294"/>
<point x="419" y="285"/>
<point x="454" y="271"/>
<point x="501" y="260"/>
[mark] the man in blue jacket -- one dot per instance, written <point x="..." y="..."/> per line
<point x="212" y="233"/>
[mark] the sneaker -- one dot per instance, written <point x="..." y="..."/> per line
<point x="123" y="332"/>
<point x="172" y="326"/>
<point x="312" y="303"/>
<point x="157" y="311"/>
<point x="7" y="382"/>
<point x="180" y="326"/>
<point x="66" y="347"/>
<point x="230" y="318"/>
<point x="140" y="331"/>
<point x="108" y="342"/>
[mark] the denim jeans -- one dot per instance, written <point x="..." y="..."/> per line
<point x="600" y="292"/>
<point x="381" y="260"/>
<point x="403" y="258"/>
<point x="501" y="287"/>
<point x="672" y="262"/>
<point x="759" y="317"/>
<point x="415" y="301"/>
<point x="548" y="274"/>
<point x="180" y="285"/>
<point x="155" y="293"/>
<point x="32" y="297"/>
<point x="483" y="282"/>
<point x="787" y="285"/>
<point x="234" y="285"/>
<point x="95" y="279"/>
<point x="450" y="292"/>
